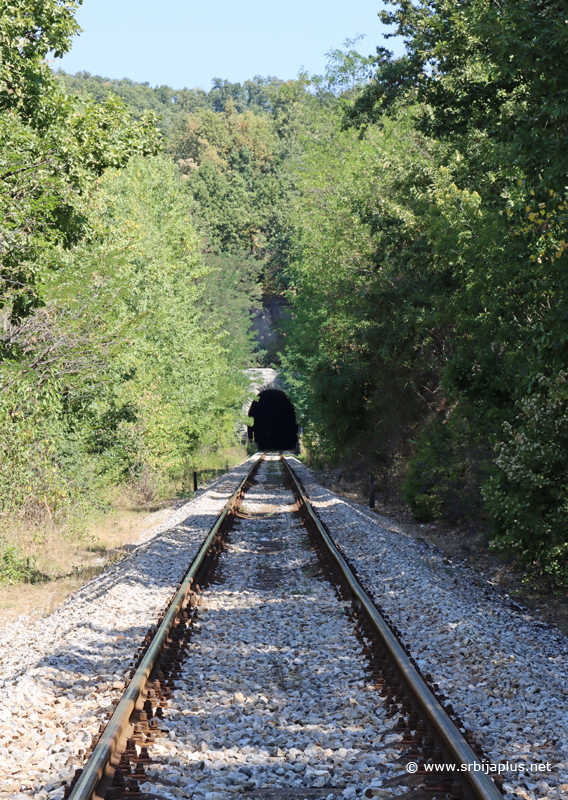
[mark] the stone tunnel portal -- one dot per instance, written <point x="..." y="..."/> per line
<point x="274" y="421"/>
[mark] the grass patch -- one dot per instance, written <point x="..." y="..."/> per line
<point x="41" y="564"/>
<point x="15" y="567"/>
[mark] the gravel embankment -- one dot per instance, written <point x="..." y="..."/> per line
<point x="505" y="673"/>
<point x="274" y="693"/>
<point x="59" y="674"/>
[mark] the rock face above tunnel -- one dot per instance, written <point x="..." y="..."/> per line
<point x="265" y="324"/>
<point x="263" y="379"/>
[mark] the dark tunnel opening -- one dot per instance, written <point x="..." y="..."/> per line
<point x="274" y="421"/>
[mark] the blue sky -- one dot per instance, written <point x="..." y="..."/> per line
<point x="188" y="43"/>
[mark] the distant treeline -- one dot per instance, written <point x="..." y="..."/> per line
<point x="169" y="104"/>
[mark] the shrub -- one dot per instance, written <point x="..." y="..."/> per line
<point x="445" y="476"/>
<point x="527" y="496"/>
<point x="15" y="567"/>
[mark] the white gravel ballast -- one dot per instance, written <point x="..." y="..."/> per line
<point x="274" y="694"/>
<point x="60" y="674"/>
<point x="505" y="673"/>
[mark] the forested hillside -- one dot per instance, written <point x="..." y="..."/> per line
<point x="117" y="365"/>
<point x="173" y="104"/>
<point x="412" y="210"/>
<point x="430" y="294"/>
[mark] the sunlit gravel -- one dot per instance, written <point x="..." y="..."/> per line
<point x="59" y="674"/>
<point x="504" y="672"/>
<point x="274" y="693"/>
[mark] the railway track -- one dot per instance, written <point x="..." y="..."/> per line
<point x="272" y="674"/>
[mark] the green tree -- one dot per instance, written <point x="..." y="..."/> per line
<point x="29" y="30"/>
<point x="434" y="248"/>
<point x="483" y="70"/>
<point x="121" y="374"/>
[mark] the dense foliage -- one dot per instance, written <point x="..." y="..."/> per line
<point x="430" y="295"/>
<point x="116" y="365"/>
<point x="170" y="104"/>
<point x="412" y="209"/>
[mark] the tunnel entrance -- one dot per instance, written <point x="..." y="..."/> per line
<point x="274" y="421"/>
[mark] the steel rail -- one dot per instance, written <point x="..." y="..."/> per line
<point x="479" y="782"/>
<point x="94" y="769"/>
